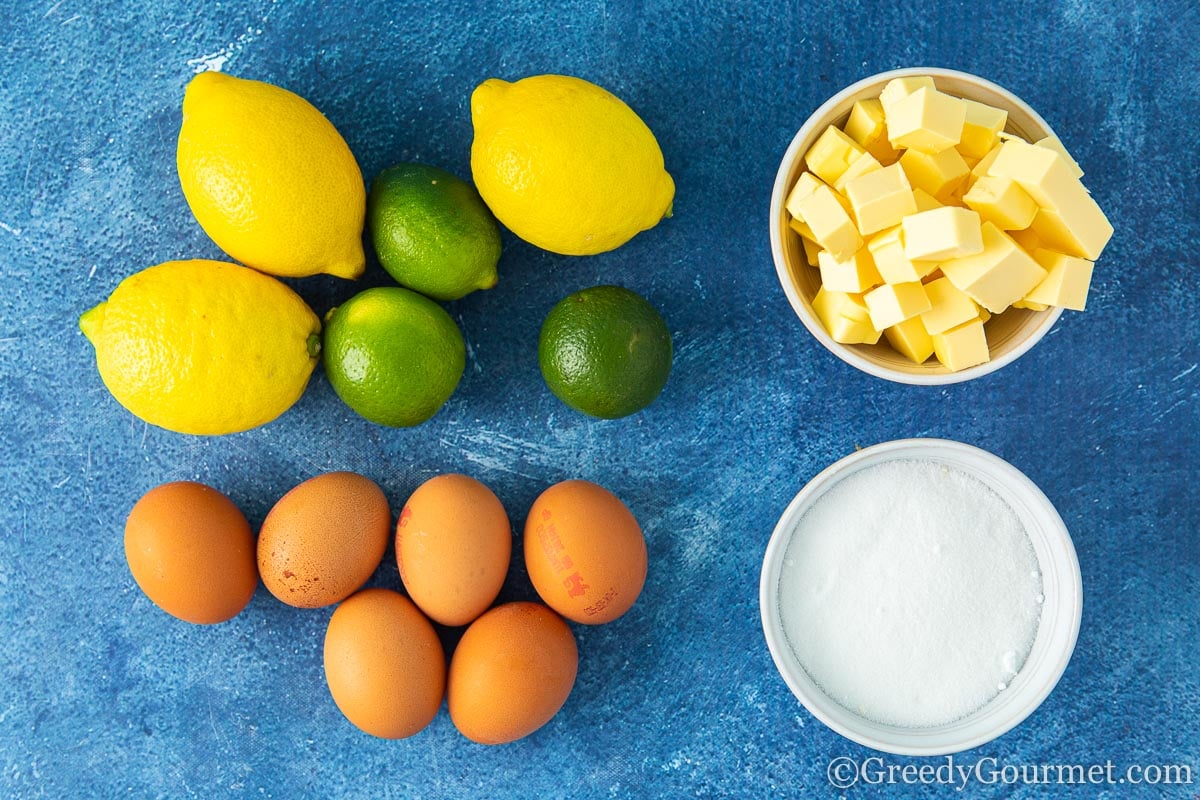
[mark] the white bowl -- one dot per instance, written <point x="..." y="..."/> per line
<point x="1058" y="628"/>
<point x="1009" y="335"/>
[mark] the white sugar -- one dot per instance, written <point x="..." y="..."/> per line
<point x="911" y="593"/>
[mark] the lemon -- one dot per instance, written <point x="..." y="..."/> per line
<point x="432" y="232"/>
<point x="204" y="347"/>
<point x="270" y="179"/>
<point x="392" y="355"/>
<point x="605" y="351"/>
<point x="566" y="165"/>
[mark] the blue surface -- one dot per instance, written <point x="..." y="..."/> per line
<point x="105" y="696"/>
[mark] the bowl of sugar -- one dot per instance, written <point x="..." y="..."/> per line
<point x="921" y="596"/>
<point x="920" y="261"/>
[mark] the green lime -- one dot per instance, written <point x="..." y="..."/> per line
<point x="605" y="351"/>
<point x="432" y="231"/>
<point x="392" y="355"/>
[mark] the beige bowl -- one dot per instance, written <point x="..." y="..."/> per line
<point x="1009" y="334"/>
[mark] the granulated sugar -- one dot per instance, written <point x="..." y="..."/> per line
<point x="910" y="593"/>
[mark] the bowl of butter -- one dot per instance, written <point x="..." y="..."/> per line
<point x="928" y="227"/>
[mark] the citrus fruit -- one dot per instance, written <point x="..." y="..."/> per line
<point x="605" y="351"/>
<point x="392" y="355"/>
<point x="565" y="164"/>
<point x="270" y="179"/>
<point x="204" y="347"/>
<point x="432" y="231"/>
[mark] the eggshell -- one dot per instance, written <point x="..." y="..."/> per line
<point x="453" y="545"/>
<point x="584" y="552"/>
<point x="191" y="551"/>
<point x="384" y="664"/>
<point x="324" y="539"/>
<point x="512" y="671"/>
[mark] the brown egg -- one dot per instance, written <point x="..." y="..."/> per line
<point x="384" y="664"/>
<point x="324" y="539"/>
<point x="511" y="672"/>
<point x="453" y="544"/>
<point x="584" y="552"/>
<point x="192" y="552"/>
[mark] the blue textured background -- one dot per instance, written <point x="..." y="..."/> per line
<point x="102" y="695"/>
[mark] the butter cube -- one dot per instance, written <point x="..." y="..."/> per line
<point x="962" y="347"/>
<point x="806" y="184"/>
<point x="949" y="307"/>
<point x="925" y="201"/>
<point x="909" y="338"/>
<point x="941" y="233"/>
<point x="830" y="222"/>
<point x="1002" y="202"/>
<point x="893" y="303"/>
<point x="801" y="227"/>
<point x="899" y="88"/>
<point x="999" y="275"/>
<point x="1066" y="283"/>
<point x="1077" y="229"/>
<point x="853" y="275"/>
<point x="812" y="251"/>
<point x="880" y="199"/>
<point x="863" y="165"/>
<point x="887" y="250"/>
<point x="981" y="128"/>
<point x="867" y="127"/>
<point x="1054" y="144"/>
<point x="1030" y="305"/>
<point x="807" y="239"/>
<point x="831" y="154"/>
<point x="941" y="175"/>
<point x="1042" y="172"/>
<point x="926" y="120"/>
<point x="984" y="314"/>
<point x="844" y="317"/>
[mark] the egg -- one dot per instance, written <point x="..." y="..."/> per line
<point x="584" y="552"/>
<point x="191" y="551"/>
<point x="453" y="545"/>
<point x="512" y="671"/>
<point x="384" y="664"/>
<point x="324" y="539"/>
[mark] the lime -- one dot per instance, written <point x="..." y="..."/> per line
<point x="605" y="351"/>
<point x="432" y="231"/>
<point x="392" y="355"/>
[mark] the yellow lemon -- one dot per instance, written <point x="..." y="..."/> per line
<point x="270" y="179"/>
<point x="204" y="347"/>
<point x="565" y="164"/>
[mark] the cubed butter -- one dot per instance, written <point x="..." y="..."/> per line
<point x="1026" y="239"/>
<point x="941" y="233"/>
<point x="941" y="175"/>
<point x="880" y="199"/>
<point x="1066" y="283"/>
<point x="867" y="127"/>
<point x="844" y="317"/>
<point x="999" y="275"/>
<point x="830" y="222"/>
<point x="812" y="251"/>
<point x="899" y="88"/>
<point x="949" y="306"/>
<point x="864" y="164"/>
<point x="832" y="154"/>
<point x="1030" y="305"/>
<point x="985" y="163"/>
<point x="926" y="120"/>
<point x="854" y="275"/>
<point x="806" y="184"/>
<point x="1078" y="229"/>
<point x="1041" y="171"/>
<point x="892" y="303"/>
<point x="910" y="339"/>
<point x="981" y="127"/>
<point x="1055" y="144"/>
<point x="962" y="347"/>
<point x="1002" y="202"/>
<point x="887" y="250"/>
